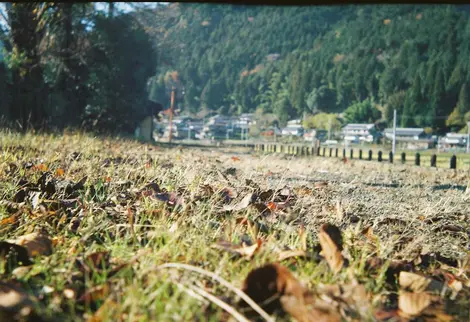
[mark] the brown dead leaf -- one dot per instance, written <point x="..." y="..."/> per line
<point x="276" y="290"/>
<point x="369" y="234"/>
<point x="107" y="309"/>
<point x="9" y="220"/>
<point x="353" y="297"/>
<point x="303" y="313"/>
<point x="243" y="250"/>
<point x="413" y="304"/>
<point x="59" y="172"/>
<point x="37" y="244"/>
<point x="418" y="283"/>
<point x="243" y="204"/>
<point x="275" y="206"/>
<point x="266" y="284"/>
<point x="97" y="261"/>
<point x="97" y="293"/>
<point x="303" y="191"/>
<point x="332" y="244"/>
<point x="234" y="158"/>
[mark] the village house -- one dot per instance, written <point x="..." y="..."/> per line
<point x="454" y="140"/>
<point x="406" y="134"/>
<point x="293" y="128"/>
<point x="414" y="138"/>
<point x="356" y="133"/>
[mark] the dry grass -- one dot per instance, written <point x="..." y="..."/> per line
<point x="412" y="212"/>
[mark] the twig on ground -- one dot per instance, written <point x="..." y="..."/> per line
<point x="219" y="279"/>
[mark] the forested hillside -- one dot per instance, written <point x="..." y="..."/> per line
<point x="295" y="60"/>
<point x="73" y="65"/>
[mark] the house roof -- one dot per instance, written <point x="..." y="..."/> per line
<point x="405" y="131"/>
<point x="356" y="126"/>
<point x="456" y="135"/>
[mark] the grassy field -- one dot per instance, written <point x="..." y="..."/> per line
<point x="103" y="229"/>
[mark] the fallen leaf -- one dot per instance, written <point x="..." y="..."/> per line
<point x="235" y="158"/>
<point x="418" y="283"/>
<point x="303" y="191"/>
<point x="369" y="234"/>
<point x="243" y="250"/>
<point x="266" y="284"/>
<point x="351" y="296"/>
<point x="108" y="310"/>
<point x="243" y="204"/>
<point x="9" y="220"/>
<point x="275" y="206"/>
<point x="97" y="293"/>
<point x="332" y="244"/>
<point x="276" y="290"/>
<point x="97" y="261"/>
<point x="37" y="244"/>
<point x="59" y="172"/>
<point x="303" y="313"/>
<point x="413" y="304"/>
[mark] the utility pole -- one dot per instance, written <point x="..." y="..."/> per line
<point x="394" y="131"/>
<point x="329" y="129"/>
<point x="173" y="90"/>
<point x="468" y="136"/>
<point x="189" y="131"/>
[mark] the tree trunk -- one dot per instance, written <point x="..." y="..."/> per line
<point x="111" y="10"/>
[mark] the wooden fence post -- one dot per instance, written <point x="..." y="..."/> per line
<point x="331" y="152"/>
<point x="370" y="155"/>
<point x="344" y="153"/>
<point x="453" y="162"/>
<point x="418" y="159"/>
<point x="433" y="161"/>
<point x="318" y="151"/>
<point x="390" y="157"/>
<point x="379" y="158"/>
<point x="336" y="152"/>
<point x="360" y="154"/>
<point x="351" y="154"/>
<point x="403" y="157"/>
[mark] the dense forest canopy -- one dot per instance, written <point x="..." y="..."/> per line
<point x="86" y="67"/>
<point x="294" y="61"/>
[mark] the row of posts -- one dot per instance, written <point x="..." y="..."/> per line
<point x="297" y="150"/>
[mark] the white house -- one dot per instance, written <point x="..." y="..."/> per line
<point x="359" y="132"/>
<point x="294" y="127"/>
<point x="457" y="139"/>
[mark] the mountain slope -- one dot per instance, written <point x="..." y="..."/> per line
<point x="293" y="60"/>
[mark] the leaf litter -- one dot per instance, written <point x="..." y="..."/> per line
<point x="315" y="242"/>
